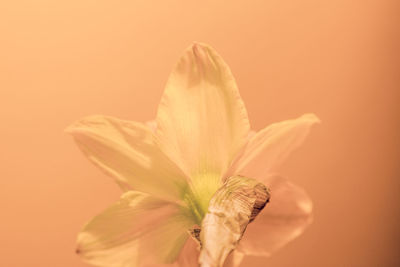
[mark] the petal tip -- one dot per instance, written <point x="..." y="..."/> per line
<point x="199" y="46"/>
<point x="71" y="129"/>
<point x="83" y="123"/>
<point x="306" y="206"/>
<point x="200" y="52"/>
<point x="311" y="117"/>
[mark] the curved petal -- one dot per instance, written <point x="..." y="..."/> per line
<point x="202" y="122"/>
<point x="127" y="151"/>
<point x="136" y="231"/>
<point x="268" y="148"/>
<point x="283" y="219"/>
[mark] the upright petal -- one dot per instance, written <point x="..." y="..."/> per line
<point x="285" y="217"/>
<point x="127" y="151"/>
<point x="138" y="230"/>
<point x="201" y="121"/>
<point x="268" y="148"/>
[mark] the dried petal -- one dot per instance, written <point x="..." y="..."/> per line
<point x="230" y="210"/>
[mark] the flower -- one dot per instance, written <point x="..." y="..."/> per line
<point x="171" y="169"/>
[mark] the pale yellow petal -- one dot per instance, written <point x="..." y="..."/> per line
<point x="268" y="149"/>
<point x="138" y="230"/>
<point x="127" y="151"/>
<point x="201" y="121"/>
<point x="285" y="217"/>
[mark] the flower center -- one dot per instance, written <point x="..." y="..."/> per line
<point x="201" y="190"/>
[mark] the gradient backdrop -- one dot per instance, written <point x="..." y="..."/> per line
<point x="62" y="60"/>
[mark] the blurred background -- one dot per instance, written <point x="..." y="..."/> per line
<point x="62" y="60"/>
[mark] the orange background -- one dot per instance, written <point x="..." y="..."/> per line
<point x="62" y="60"/>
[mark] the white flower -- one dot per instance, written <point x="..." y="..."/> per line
<point x="169" y="172"/>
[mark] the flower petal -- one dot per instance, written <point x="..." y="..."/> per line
<point x="283" y="219"/>
<point x="202" y="122"/>
<point x="136" y="231"/>
<point x="268" y="148"/>
<point x="127" y="151"/>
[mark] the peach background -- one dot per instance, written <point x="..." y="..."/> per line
<point x="61" y="60"/>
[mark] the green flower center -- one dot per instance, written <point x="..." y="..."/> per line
<point x="198" y="196"/>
